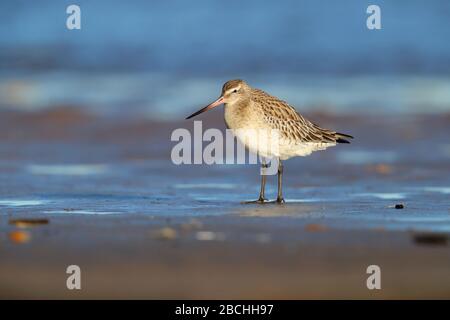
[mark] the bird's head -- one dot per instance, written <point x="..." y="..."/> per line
<point x="233" y="91"/>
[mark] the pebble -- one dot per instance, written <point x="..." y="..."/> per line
<point x="20" y="237"/>
<point x="434" y="239"/>
<point x="26" y="223"/>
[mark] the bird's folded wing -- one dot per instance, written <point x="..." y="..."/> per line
<point x="290" y="124"/>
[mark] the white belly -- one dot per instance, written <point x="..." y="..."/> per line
<point x="301" y="149"/>
<point x="257" y="141"/>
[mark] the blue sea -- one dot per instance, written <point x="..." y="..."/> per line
<point x="163" y="58"/>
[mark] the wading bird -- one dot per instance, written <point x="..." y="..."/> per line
<point x="254" y="110"/>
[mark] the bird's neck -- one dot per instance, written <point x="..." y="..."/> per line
<point x="237" y="113"/>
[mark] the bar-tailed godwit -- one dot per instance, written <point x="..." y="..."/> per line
<point x="252" y="110"/>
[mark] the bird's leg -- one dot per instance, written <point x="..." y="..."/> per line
<point x="280" y="198"/>
<point x="261" y="198"/>
<point x="263" y="182"/>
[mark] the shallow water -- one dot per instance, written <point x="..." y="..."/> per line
<point x="345" y="206"/>
<point x="382" y="196"/>
<point x="71" y="170"/>
<point x="21" y="203"/>
<point x="171" y="97"/>
<point x="78" y="212"/>
<point x="123" y="167"/>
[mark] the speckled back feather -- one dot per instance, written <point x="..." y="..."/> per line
<point x="291" y="125"/>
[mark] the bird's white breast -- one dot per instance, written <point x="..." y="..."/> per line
<point x="251" y="130"/>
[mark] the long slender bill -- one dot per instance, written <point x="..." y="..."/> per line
<point x="208" y="107"/>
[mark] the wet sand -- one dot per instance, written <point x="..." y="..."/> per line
<point x="110" y="200"/>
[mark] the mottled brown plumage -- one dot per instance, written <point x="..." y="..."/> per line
<point x="283" y="117"/>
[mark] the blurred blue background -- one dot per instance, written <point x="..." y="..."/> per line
<point x="163" y="58"/>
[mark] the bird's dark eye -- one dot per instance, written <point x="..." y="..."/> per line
<point x="235" y="90"/>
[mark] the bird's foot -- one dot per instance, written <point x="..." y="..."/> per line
<point x="261" y="200"/>
<point x="278" y="201"/>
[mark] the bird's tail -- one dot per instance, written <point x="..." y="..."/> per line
<point x="340" y="137"/>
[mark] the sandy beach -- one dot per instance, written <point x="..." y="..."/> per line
<point x="108" y="199"/>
